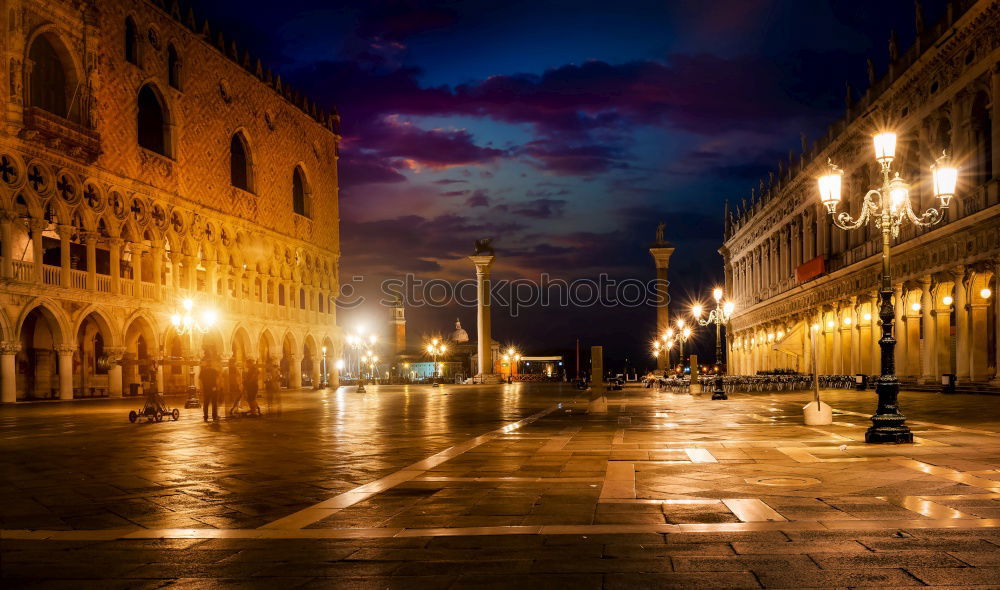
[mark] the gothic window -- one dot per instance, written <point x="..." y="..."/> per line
<point x="51" y="80"/>
<point x="131" y="41"/>
<point x="299" y="195"/>
<point x="302" y="299"/>
<point x="173" y="67"/>
<point x="240" y="163"/>
<point x="319" y="303"/>
<point x="152" y="121"/>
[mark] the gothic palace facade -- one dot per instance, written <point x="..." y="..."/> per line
<point x="789" y="268"/>
<point x="145" y="160"/>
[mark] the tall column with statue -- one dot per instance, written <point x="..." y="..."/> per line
<point x="661" y="250"/>
<point x="483" y="260"/>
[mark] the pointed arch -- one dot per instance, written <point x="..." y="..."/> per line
<point x="53" y="80"/>
<point x="100" y="317"/>
<point x="57" y="320"/>
<point x="301" y="193"/>
<point x="173" y="67"/>
<point x="241" y="173"/>
<point x="153" y="129"/>
<point x="131" y="41"/>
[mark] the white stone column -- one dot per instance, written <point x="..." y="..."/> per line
<point x="115" y="257"/>
<point x="483" y="328"/>
<point x="855" y="331"/>
<point x="294" y="371"/>
<point x="928" y="370"/>
<point x="661" y="259"/>
<point x="7" y="245"/>
<point x="65" y="236"/>
<point x="114" y="354"/>
<point x="8" y="372"/>
<point x="899" y="330"/>
<point x="961" y="302"/>
<point x="65" y="352"/>
<point x="837" y="358"/>
<point x="876" y="335"/>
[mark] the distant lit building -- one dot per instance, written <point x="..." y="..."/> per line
<point x="143" y="160"/>
<point x="788" y="268"/>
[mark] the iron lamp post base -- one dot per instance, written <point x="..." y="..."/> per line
<point x="888" y="425"/>
<point x="719" y="392"/>
<point x="192" y="400"/>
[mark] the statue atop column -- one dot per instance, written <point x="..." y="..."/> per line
<point x="659" y="233"/>
<point x="483" y="247"/>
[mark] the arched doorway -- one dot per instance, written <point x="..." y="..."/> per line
<point x="287" y="366"/>
<point x="309" y="366"/>
<point x="141" y="349"/>
<point x="38" y="365"/>
<point x="266" y="349"/>
<point x="327" y="360"/>
<point x="242" y="351"/>
<point x="90" y="366"/>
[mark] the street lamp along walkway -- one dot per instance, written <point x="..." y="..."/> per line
<point x="186" y="322"/>
<point x="718" y="316"/>
<point x="888" y="207"/>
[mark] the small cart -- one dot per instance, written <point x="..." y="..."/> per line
<point x="154" y="409"/>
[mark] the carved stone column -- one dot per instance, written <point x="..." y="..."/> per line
<point x="114" y="354"/>
<point x="90" y="239"/>
<point x="838" y="346"/>
<point x="875" y="366"/>
<point x="8" y="371"/>
<point x="156" y="256"/>
<point x="928" y="370"/>
<point x="65" y="352"/>
<point x="115" y="257"/>
<point x="899" y="330"/>
<point x="65" y="238"/>
<point x="961" y="325"/>
<point x="7" y="245"/>
<point x="855" y="333"/>
<point x="37" y="227"/>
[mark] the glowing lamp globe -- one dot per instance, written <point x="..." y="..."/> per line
<point x="696" y="310"/>
<point x="945" y="179"/>
<point x="899" y="193"/>
<point x="728" y="308"/>
<point x="829" y="187"/>
<point x="717" y="294"/>
<point x="885" y="147"/>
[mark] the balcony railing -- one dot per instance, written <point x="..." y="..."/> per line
<point x="51" y="274"/>
<point x="24" y="271"/>
<point x="78" y="279"/>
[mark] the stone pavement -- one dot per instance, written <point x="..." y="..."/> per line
<point x="482" y="486"/>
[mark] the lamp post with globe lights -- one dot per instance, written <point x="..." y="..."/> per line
<point x="888" y="207"/>
<point x="436" y="348"/>
<point x="361" y="345"/>
<point x="671" y="337"/>
<point x="511" y="357"/>
<point x="718" y="316"/>
<point x="186" y="322"/>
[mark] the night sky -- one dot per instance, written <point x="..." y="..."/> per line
<point x="563" y="130"/>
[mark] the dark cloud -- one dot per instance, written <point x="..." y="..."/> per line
<point x="541" y="209"/>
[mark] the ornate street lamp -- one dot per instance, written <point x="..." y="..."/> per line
<point x="670" y="337"/>
<point x="358" y="342"/>
<point x="718" y="316"/>
<point x="186" y="322"/>
<point x="888" y="206"/>
<point x="436" y="349"/>
<point x="511" y="357"/>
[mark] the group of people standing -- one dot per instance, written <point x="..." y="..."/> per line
<point x="231" y="384"/>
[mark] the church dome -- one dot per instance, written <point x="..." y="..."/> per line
<point x="459" y="335"/>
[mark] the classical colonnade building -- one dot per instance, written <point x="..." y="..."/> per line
<point x="143" y="161"/>
<point x="790" y="268"/>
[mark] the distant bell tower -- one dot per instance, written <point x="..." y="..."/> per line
<point x="398" y="323"/>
